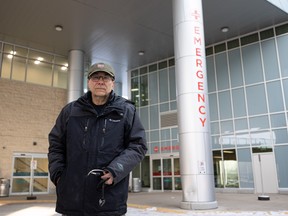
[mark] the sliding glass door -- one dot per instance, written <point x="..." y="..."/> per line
<point x="30" y="174"/>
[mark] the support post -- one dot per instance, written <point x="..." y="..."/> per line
<point x="197" y="175"/>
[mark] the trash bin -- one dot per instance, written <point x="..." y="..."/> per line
<point x="136" y="185"/>
<point x="4" y="187"/>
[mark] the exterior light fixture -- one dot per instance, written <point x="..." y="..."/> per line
<point x="58" y="28"/>
<point x="224" y="29"/>
<point x="141" y="53"/>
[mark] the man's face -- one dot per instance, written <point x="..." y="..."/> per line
<point x="100" y="84"/>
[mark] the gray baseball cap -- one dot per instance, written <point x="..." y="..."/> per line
<point x="101" y="67"/>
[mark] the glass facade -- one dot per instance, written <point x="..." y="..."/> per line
<point x="248" y="99"/>
<point x="33" y="66"/>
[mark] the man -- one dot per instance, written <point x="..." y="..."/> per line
<point x="96" y="142"/>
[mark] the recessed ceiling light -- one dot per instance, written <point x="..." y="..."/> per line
<point x="58" y="28"/>
<point x="225" y="29"/>
<point x="141" y="53"/>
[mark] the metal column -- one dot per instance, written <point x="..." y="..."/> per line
<point x="76" y="72"/>
<point x="192" y="97"/>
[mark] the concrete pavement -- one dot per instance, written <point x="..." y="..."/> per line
<point x="158" y="204"/>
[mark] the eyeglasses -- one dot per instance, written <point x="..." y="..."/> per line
<point x="97" y="78"/>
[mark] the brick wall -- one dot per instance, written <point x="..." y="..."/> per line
<point x="27" y="114"/>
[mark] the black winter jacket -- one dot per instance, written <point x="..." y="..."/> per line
<point x="82" y="140"/>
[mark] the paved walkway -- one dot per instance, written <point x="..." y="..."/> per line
<point x="158" y="204"/>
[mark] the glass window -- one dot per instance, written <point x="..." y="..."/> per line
<point x="225" y="105"/>
<point x="144" y="90"/>
<point x="242" y="139"/>
<point x="39" y="73"/>
<point x="156" y="166"/>
<point x="261" y="138"/>
<point x="172" y="83"/>
<point x="40" y="56"/>
<point x="143" y="70"/>
<point x="145" y="172"/>
<point x="270" y="60"/>
<point x="177" y="180"/>
<point x="218" y="169"/>
<point x="239" y="104"/>
<point x="167" y="167"/>
<point x="21" y="52"/>
<point x="235" y="68"/>
<point x="259" y="122"/>
<point x="154" y="117"/>
<point x="60" y="77"/>
<point x="252" y="64"/>
<point x="278" y="120"/>
<point x="227" y="127"/>
<point x="275" y="96"/>
<point x="61" y="61"/>
<point x="154" y="136"/>
<point x="245" y="168"/>
<point x="240" y="125"/>
<point x="285" y="90"/>
<point x="165" y="134"/>
<point x="282" y="43"/>
<point x="280" y="136"/>
<point x="228" y="141"/>
<point x="155" y="148"/>
<point x="175" y="146"/>
<point x="174" y="133"/>
<point x="153" y="88"/>
<point x="215" y="142"/>
<point x="222" y="71"/>
<point x="163" y="85"/>
<point x="144" y="117"/>
<point x="19" y="68"/>
<point x="256" y="100"/>
<point x="210" y="74"/>
<point x="164" y="107"/>
<point x="281" y="158"/>
<point x="213" y="107"/>
<point x="134" y="73"/>
<point x="135" y="91"/>
<point x="156" y="172"/>
<point x="166" y="146"/>
<point x="7" y="59"/>
<point x="173" y="105"/>
<point x="215" y="128"/>
<point x="231" y="168"/>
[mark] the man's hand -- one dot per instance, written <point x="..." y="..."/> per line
<point x="108" y="177"/>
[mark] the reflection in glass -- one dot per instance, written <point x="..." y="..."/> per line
<point x="145" y="172"/>
<point x="156" y="166"/>
<point x="218" y="169"/>
<point x="135" y="91"/>
<point x="157" y="183"/>
<point x="231" y="168"/>
<point x="226" y="169"/>
<point x="167" y="181"/>
<point x="60" y="77"/>
<point x="144" y="90"/>
<point x="39" y="73"/>
<point x="245" y="168"/>
<point x="177" y="178"/>
<point x="19" y="68"/>
<point x="167" y="167"/>
<point x="20" y="185"/>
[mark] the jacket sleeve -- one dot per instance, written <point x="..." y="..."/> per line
<point x="57" y="145"/>
<point x="134" y="152"/>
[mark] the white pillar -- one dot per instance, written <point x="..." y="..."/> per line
<point x="196" y="162"/>
<point x="76" y="74"/>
